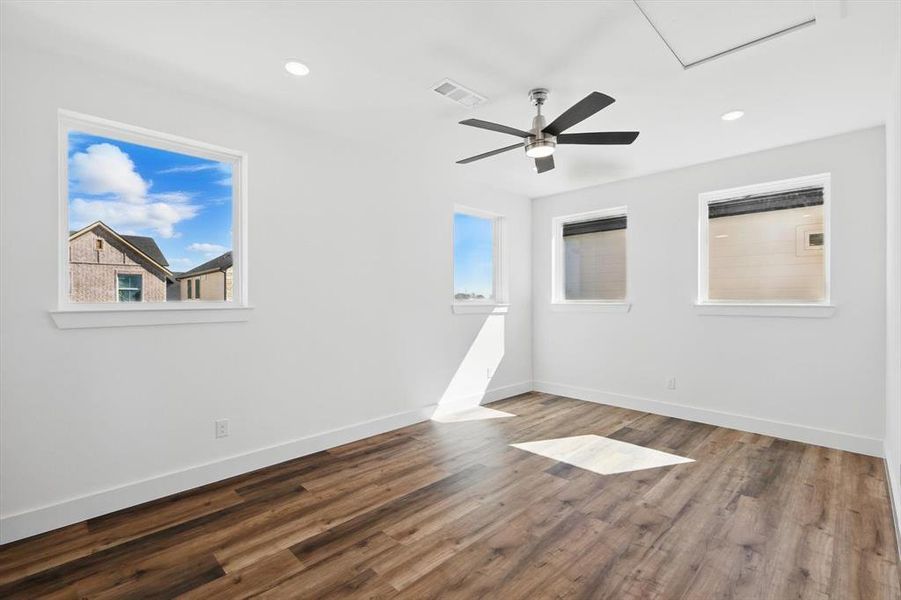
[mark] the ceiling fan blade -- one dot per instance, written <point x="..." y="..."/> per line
<point x="601" y="137"/>
<point x="487" y="154"/>
<point x="578" y="112"/>
<point x="544" y="164"/>
<point x="495" y="127"/>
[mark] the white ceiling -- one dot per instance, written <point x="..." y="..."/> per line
<point x="373" y="65"/>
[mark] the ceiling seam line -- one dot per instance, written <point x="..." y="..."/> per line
<point x="657" y="31"/>
<point x="754" y="42"/>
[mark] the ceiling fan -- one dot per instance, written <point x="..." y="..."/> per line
<point x="541" y="141"/>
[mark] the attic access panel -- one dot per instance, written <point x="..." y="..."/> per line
<point x="699" y="31"/>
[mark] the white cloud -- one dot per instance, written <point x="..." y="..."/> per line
<point x="225" y="180"/>
<point x="126" y="204"/>
<point x="179" y="197"/>
<point x="211" y="250"/>
<point x="105" y="169"/>
<point x="159" y="216"/>
<point x="190" y="168"/>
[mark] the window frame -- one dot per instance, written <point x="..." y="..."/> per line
<point x="140" y="288"/>
<point x="500" y="301"/>
<point x="68" y="315"/>
<point x="706" y="306"/>
<point x="558" y="300"/>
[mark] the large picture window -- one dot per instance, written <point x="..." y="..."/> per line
<point x="146" y="215"/>
<point x="766" y="244"/>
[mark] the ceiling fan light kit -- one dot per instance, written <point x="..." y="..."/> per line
<point x="541" y="148"/>
<point x="540" y="142"/>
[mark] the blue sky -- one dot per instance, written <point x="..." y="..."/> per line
<point x="183" y="202"/>
<point x="473" y="254"/>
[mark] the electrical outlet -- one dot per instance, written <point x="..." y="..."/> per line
<point x="222" y="428"/>
<point x="671" y="383"/>
<point x="490" y="373"/>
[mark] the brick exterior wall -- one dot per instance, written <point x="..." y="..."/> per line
<point x="92" y="272"/>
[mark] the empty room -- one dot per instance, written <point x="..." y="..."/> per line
<point x="453" y="299"/>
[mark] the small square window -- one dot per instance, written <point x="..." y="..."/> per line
<point x="98" y="244"/>
<point x="129" y="287"/>
<point x="590" y="257"/>
<point x="766" y="244"/>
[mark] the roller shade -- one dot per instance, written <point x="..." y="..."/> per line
<point x="766" y="202"/>
<point x="594" y="226"/>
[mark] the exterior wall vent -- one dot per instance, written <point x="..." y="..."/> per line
<point x="454" y="91"/>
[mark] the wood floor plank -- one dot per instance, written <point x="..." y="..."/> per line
<point x="259" y="577"/>
<point x="452" y="510"/>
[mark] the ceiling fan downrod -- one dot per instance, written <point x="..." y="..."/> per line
<point x="539" y="144"/>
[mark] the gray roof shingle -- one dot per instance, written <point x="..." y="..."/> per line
<point x="220" y="263"/>
<point x="148" y="246"/>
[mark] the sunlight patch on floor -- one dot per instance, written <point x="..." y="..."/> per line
<point x="601" y="455"/>
<point x="468" y="413"/>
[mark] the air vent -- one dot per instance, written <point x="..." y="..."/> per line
<point x="454" y="91"/>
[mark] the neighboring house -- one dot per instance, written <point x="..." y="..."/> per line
<point x="210" y="281"/>
<point x="105" y="266"/>
<point x="173" y="289"/>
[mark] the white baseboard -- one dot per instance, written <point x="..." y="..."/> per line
<point x="36" y="521"/>
<point x="492" y="395"/>
<point x="32" y="522"/>
<point x="789" y="431"/>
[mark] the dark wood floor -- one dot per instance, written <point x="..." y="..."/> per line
<point x="451" y="510"/>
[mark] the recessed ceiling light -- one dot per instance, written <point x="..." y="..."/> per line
<point x="732" y="115"/>
<point x="721" y="236"/>
<point x="296" y="67"/>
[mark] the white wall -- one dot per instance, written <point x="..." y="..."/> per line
<point x="342" y="333"/>
<point x="818" y="380"/>
<point x="893" y="288"/>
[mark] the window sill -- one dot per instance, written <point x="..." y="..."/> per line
<point x="814" y="311"/>
<point x="480" y="309"/>
<point x="95" y="316"/>
<point x="607" y="307"/>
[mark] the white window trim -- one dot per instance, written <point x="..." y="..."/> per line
<point x="707" y="307"/>
<point x="70" y="315"/>
<point x="559" y="303"/>
<point x="140" y="289"/>
<point x="761" y="309"/>
<point x="583" y="306"/>
<point x="500" y="303"/>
